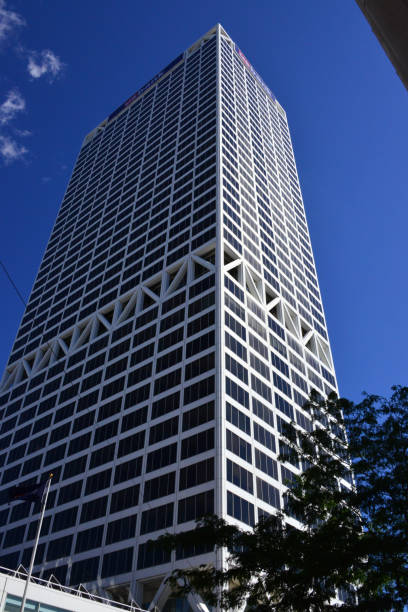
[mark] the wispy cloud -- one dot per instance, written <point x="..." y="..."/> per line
<point x="10" y="150"/>
<point x="23" y="133"/>
<point x="42" y="63"/>
<point x="13" y="104"/>
<point x="9" y="20"/>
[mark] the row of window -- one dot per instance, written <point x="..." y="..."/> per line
<point x="95" y="435"/>
<point x="123" y="499"/>
<point x="102" y="341"/>
<point x="119" y="561"/>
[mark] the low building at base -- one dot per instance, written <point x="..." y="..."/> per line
<point x="50" y="596"/>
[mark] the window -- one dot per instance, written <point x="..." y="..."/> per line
<point x="14" y="536"/>
<point x="59" y="433"/>
<point x="198" y="443"/>
<point x="171" y="320"/>
<point x="266" y="464"/>
<point x="192" y="508"/>
<point x="299" y="381"/>
<point x="166" y="404"/>
<point x="86" y="420"/>
<point x="282" y="385"/>
<point x="201" y="286"/>
<point x="170" y="339"/>
<point x="161" y="457"/>
<point x="129" y="469"/>
<point x="168" y="381"/>
<point x="124" y="498"/>
<point x="199" y="366"/>
<point x="70" y="492"/>
<point x="234" y="306"/>
<point x="106" y="431"/>
<point x="238" y="418"/>
<point x="89" y="538"/>
<point x="260" y="366"/>
<point x="94" y="509"/>
<point x="59" y="547"/>
<point x="240" y="509"/>
<point x="264" y="436"/>
<point x="174" y="301"/>
<point x="84" y="571"/>
<point x="169" y="359"/>
<point x="239" y="476"/>
<point x="197" y="325"/>
<point x="132" y="443"/>
<point x="75" y="467"/>
<point x="236" y="368"/>
<point x="139" y="374"/>
<point x="198" y="416"/>
<point x="114" y="387"/>
<point x="118" y="562"/>
<point x="235" y="346"/>
<point x="267" y="493"/>
<point x="163" y="430"/>
<point x="151" y="555"/>
<point x="98" y="481"/>
<point x="109" y="409"/>
<point x="55" y="454"/>
<point x="199" y="390"/>
<point x="262" y="412"/>
<point x="284" y="406"/>
<point x="258" y="346"/>
<point x="235" y="326"/>
<point x="121" y="529"/>
<point x="238" y="446"/>
<point x="200" y="344"/>
<point x="102" y="455"/>
<point x="236" y="392"/>
<point x="201" y="304"/>
<point x="288" y="454"/>
<point x="65" y="519"/>
<point x="134" y="419"/>
<point x="157" y="518"/>
<point x="303" y="421"/>
<point x="159" y="487"/>
<point x="196" y="474"/>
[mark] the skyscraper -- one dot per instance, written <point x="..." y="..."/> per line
<point x="174" y="324"/>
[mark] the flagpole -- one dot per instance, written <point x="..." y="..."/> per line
<point x="37" y="537"/>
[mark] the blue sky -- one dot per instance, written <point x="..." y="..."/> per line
<point x="66" y="65"/>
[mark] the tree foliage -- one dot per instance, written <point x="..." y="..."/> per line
<point x="347" y="536"/>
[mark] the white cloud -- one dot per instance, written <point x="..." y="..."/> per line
<point x="23" y="133"/>
<point x="13" y="104"/>
<point x="8" y="20"/>
<point x="44" y="62"/>
<point x="10" y="150"/>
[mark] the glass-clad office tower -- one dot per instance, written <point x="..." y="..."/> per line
<point x="174" y="325"/>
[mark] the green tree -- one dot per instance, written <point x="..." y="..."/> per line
<point x="353" y="543"/>
<point x="378" y="445"/>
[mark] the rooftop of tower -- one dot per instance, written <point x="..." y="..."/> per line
<point x="181" y="57"/>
